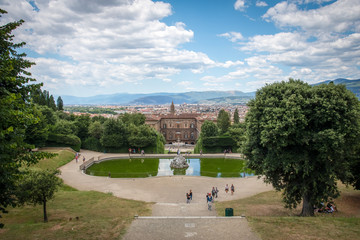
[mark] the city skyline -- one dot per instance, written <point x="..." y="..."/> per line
<point x="86" y="48"/>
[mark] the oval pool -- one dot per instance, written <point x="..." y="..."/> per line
<point x="148" y="167"/>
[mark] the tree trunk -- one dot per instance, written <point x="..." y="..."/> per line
<point x="307" y="209"/>
<point x="44" y="207"/>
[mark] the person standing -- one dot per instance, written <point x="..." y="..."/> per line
<point x="216" y="192"/>
<point x="190" y="194"/>
<point x="232" y="189"/>
<point x="187" y="197"/>
<point x="226" y="188"/>
<point x="213" y="192"/>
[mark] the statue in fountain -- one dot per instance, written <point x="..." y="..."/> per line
<point x="179" y="162"/>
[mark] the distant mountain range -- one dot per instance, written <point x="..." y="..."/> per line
<point x="160" y="98"/>
<point x="205" y="97"/>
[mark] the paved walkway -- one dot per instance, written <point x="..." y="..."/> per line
<point x="168" y="194"/>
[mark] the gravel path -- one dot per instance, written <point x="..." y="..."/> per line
<point x="168" y="194"/>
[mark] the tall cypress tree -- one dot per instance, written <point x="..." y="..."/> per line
<point x="60" y="104"/>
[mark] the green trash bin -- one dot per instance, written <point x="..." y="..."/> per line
<point x="229" y="212"/>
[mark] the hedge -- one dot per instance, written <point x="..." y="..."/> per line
<point x="63" y="140"/>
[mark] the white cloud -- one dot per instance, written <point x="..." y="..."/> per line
<point x="239" y="5"/>
<point x="340" y="16"/>
<point x="261" y="4"/>
<point x="281" y="42"/>
<point x="232" y="36"/>
<point x="107" y="42"/>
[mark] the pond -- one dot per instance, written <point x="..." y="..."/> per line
<point x="148" y="167"/>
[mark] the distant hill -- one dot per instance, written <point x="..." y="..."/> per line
<point x="206" y="97"/>
<point x="154" y="98"/>
<point x="352" y="85"/>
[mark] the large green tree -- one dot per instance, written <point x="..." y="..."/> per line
<point x="16" y="113"/>
<point x="236" y="116"/>
<point x="142" y="136"/>
<point x="223" y="121"/>
<point x="38" y="187"/>
<point x="209" y="129"/>
<point x="135" y="118"/>
<point x="114" y="134"/>
<point x="303" y="139"/>
<point x="60" y="104"/>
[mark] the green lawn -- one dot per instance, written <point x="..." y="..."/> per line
<point x="63" y="157"/>
<point x="100" y="215"/>
<point x="270" y="220"/>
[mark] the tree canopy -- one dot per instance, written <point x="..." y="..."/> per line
<point x="303" y="139"/>
<point x="38" y="187"/>
<point x="16" y="113"/>
<point x="209" y="129"/>
<point x="236" y="116"/>
<point x="223" y="121"/>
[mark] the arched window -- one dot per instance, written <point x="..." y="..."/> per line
<point x="192" y="125"/>
<point x="164" y="125"/>
<point x="192" y="135"/>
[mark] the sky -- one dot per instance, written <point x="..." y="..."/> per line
<point x="94" y="47"/>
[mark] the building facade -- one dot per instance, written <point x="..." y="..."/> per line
<point x="174" y="127"/>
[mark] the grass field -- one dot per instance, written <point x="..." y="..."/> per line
<point x="72" y="214"/>
<point x="270" y="220"/>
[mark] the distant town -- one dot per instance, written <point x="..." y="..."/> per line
<point x="206" y="112"/>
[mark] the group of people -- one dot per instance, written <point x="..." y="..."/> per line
<point x="77" y="156"/>
<point x="133" y="150"/>
<point x="329" y="208"/>
<point x="232" y="188"/>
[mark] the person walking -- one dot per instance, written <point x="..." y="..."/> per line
<point x="216" y="192"/>
<point x="232" y="189"/>
<point x="209" y="200"/>
<point x="190" y="194"/>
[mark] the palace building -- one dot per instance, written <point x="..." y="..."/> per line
<point x="174" y="127"/>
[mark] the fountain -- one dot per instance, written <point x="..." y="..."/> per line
<point x="179" y="162"/>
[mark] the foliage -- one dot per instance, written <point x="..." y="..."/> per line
<point x="303" y="139"/>
<point x="136" y="118"/>
<point x="60" y="104"/>
<point x="96" y="129"/>
<point x="142" y="136"/>
<point x="223" y="121"/>
<point x="114" y="134"/>
<point x="218" y="141"/>
<point x="43" y="98"/>
<point x="237" y="132"/>
<point x="64" y="140"/>
<point x="209" y="129"/>
<point x="82" y="125"/>
<point x="38" y="187"/>
<point x="16" y="113"/>
<point x="37" y="133"/>
<point x="92" y="143"/>
<point x="236" y="116"/>
<point x="48" y="113"/>
<point x="65" y="127"/>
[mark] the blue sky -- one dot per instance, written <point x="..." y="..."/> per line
<point x="92" y="47"/>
